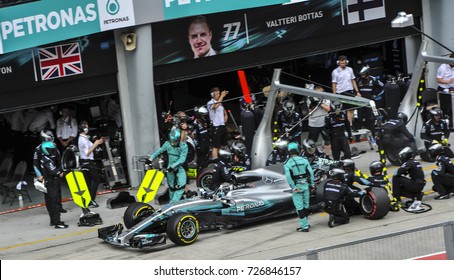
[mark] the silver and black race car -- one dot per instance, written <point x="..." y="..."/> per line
<point x="254" y="195"/>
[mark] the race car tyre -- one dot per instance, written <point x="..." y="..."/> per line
<point x="375" y="204"/>
<point x="183" y="229"/>
<point x="204" y="179"/>
<point x="137" y="212"/>
<point x="393" y="149"/>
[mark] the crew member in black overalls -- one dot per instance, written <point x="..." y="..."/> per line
<point x="395" y="133"/>
<point x="289" y="122"/>
<point x="409" y="187"/>
<point x="443" y="176"/>
<point x="52" y="173"/>
<point x="369" y="87"/>
<point x="436" y="130"/>
<point x="47" y="136"/>
<point x="334" y="194"/>
<point x="353" y="175"/>
<point x="337" y="124"/>
<point x="240" y="158"/>
<point x="201" y="135"/>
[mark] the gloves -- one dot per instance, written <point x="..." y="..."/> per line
<point x="362" y="193"/>
<point x="170" y="169"/>
<point x="435" y="142"/>
<point x="444" y="142"/>
<point x="148" y="162"/>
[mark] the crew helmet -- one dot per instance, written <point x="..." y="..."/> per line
<point x="293" y="148"/>
<point x="289" y="107"/>
<point x="281" y="146"/>
<point x="309" y="146"/>
<point x="239" y="149"/>
<point x="202" y="111"/>
<point x="48" y="148"/>
<point x="365" y="71"/>
<point x="224" y="155"/>
<point x="405" y="154"/>
<point x="348" y="165"/>
<point x="337" y="106"/>
<point x="376" y="166"/>
<point x="435" y="150"/>
<point x="46" y="135"/>
<point x="174" y="137"/>
<point x="402" y="117"/>
<point x="337" y="174"/>
<point x="436" y="112"/>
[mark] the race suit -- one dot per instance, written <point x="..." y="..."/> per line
<point x="334" y="194"/>
<point x="443" y="176"/>
<point x="275" y="157"/>
<point x="286" y="123"/>
<point x="176" y="178"/>
<point x="300" y="177"/>
<point x="336" y="125"/>
<point x="409" y="187"/>
<point x="51" y="172"/>
<point x="432" y="131"/>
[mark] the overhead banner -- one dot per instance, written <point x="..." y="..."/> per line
<point x="207" y="35"/>
<point x="212" y="43"/>
<point x="46" y="21"/>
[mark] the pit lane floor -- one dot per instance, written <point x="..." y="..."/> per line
<point x="27" y="234"/>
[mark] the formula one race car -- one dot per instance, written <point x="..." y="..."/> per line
<point x="254" y="195"/>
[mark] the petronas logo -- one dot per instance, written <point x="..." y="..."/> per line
<point x="112" y="7"/>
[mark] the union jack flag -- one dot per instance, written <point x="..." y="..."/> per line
<point x="60" y="61"/>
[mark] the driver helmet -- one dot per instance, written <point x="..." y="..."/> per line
<point x="336" y="106"/>
<point x="281" y="146"/>
<point x="174" y="137"/>
<point x="348" y="165"/>
<point x="48" y="148"/>
<point x="224" y="155"/>
<point x="337" y="174"/>
<point x="375" y="167"/>
<point x="365" y="71"/>
<point x="435" y="150"/>
<point x="402" y="117"/>
<point x="239" y="149"/>
<point x="289" y="107"/>
<point x="309" y="146"/>
<point x="405" y="154"/>
<point x="293" y="148"/>
<point x="46" y="135"/>
<point x="435" y="112"/>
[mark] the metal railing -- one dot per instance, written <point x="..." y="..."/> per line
<point x="394" y="246"/>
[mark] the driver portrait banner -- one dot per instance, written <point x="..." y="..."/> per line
<point x="240" y="30"/>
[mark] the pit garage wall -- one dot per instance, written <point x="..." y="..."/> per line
<point x="437" y="22"/>
<point x="60" y="72"/>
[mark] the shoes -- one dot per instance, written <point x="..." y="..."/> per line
<point x="52" y="224"/>
<point x="61" y="225"/>
<point x="93" y="204"/>
<point x="331" y="220"/>
<point x="63" y="210"/>
<point x="303" y="229"/>
<point x="442" y="196"/>
<point x="415" y="206"/>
